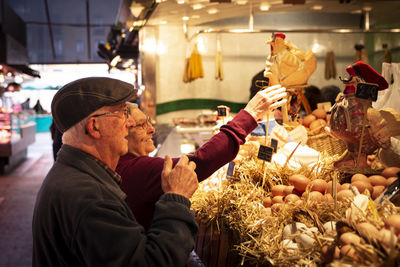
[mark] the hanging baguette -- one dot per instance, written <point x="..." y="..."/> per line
<point x="219" y="72"/>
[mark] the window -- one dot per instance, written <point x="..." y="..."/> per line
<point x="79" y="46"/>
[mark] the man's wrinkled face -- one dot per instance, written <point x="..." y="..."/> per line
<point x="113" y="123"/>
<point x="140" y="140"/>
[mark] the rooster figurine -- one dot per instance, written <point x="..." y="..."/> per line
<point x="287" y="65"/>
<point x="353" y="120"/>
<point x="290" y="67"/>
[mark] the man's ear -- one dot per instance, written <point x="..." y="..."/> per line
<point x="92" y="128"/>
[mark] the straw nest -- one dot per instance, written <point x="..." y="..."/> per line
<point x="236" y="206"/>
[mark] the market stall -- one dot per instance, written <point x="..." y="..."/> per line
<point x="306" y="193"/>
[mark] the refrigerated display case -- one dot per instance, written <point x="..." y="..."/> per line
<point x="16" y="134"/>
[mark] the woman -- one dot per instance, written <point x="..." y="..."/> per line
<point x="141" y="174"/>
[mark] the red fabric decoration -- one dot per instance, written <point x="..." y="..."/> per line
<point x="368" y="74"/>
<point x="281" y="35"/>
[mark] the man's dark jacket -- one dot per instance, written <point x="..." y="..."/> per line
<point x="81" y="219"/>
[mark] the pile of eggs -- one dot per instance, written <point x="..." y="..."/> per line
<point x="295" y="193"/>
<point x="365" y="234"/>
<point x="321" y="191"/>
<point x="298" y="235"/>
<point x="316" y="121"/>
<point x="375" y="184"/>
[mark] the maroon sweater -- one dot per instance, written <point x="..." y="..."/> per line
<point x="141" y="176"/>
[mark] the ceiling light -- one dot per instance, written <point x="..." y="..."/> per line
<point x="357" y="11"/>
<point x="197" y="6"/>
<point x="139" y="23"/>
<point x="241" y="2"/>
<point x="163" y="22"/>
<point x="315" y="48"/>
<point x="19" y="79"/>
<point x="115" y="61"/>
<point x="239" y="30"/>
<point x="127" y="63"/>
<point x="185" y="18"/>
<point x="265" y="6"/>
<point x="195" y="16"/>
<point x="180" y="2"/>
<point x="136" y="9"/>
<point x="212" y="11"/>
<point x="160" y="1"/>
<point x="317" y="7"/>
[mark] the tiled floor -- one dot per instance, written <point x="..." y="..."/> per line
<point x="18" y="191"/>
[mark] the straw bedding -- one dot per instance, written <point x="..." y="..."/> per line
<point x="236" y="206"/>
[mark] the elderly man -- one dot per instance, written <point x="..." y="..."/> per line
<point x="141" y="175"/>
<point x="81" y="217"/>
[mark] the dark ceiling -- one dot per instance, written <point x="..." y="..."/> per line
<point x="66" y="31"/>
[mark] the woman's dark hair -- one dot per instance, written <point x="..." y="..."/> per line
<point x="329" y="93"/>
<point x="313" y="95"/>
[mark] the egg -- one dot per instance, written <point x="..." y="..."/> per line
<point x="291" y="198"/>
<point x="345" y="186"/>
<point x="390" y="171"/>
<point x="358" y="177"/>
<point x="393" y="221"/>
<point x="305" y="241"/>
<point x="288" y="190"/>
<point x="368" y="231"/>
<point x="299" y="182"/>
<point x="386" y="238"/>
<point x="390" y="180"/>
<point x="277" y="199"/>
<point x="276" y="207"/>
<point x="316" y="196"/>
<point x="377" y="180"/>
<point x="298" y="203"/>
<point x="362" y="186"/>
<point x="317" y="126"/>
<point x="290" y="229"/>
<point x="319" y="113"/>
<point x="267" y="202"/>
<point x="318" y="185"/>
<point x="329" y="187"/>
<point x="349" y="238"/>
<point x="330" y="228"/>
<point x="278" y="190"/>
<point x="328" y="198"/>
<point x="376" y="191"/>
<point x="307" y="120"/>
<point x="345" y="194"/>
<point x="289" y="246"/>
<point x="349" y="251"/>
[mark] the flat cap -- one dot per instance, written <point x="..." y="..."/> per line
<point x="78" y="99"/>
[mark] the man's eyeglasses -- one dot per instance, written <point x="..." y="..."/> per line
<point x="125" y="110"/>
<point x="144" y="125"/>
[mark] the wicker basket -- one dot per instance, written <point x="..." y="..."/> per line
<point x="323" y="142"/>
